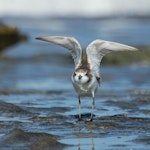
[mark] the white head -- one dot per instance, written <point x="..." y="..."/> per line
<point x="81" y="76"/>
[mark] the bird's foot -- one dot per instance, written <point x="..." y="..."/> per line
<point x="89" y="120"/>
<point x="85" y="117"/>
<point x="86" y="120"/>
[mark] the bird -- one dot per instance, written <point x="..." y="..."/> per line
<point x="86" y="76"/>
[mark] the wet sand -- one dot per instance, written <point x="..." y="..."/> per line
<point x="30" y="124"/>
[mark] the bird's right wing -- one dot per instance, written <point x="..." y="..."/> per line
<point x="99" y="48"/>
<point x="69" y="43"/>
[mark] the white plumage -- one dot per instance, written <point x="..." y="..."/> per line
<point x="86" y="77"/>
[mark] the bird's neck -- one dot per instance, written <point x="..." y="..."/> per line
<point x="84" y="62"/>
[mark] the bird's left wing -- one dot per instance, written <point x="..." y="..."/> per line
<point x="99" y="48"/>
<point x="69" y="43"/>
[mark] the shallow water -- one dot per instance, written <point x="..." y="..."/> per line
<point x="38" y="102"/>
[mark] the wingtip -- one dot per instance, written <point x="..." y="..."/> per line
<point x="135" y="49"/>
<point x="38" y="38"/>
<point x="43" y="38"/>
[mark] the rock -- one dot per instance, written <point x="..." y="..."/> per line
<point x="17" y="138"/>
<point x="8" y="109"/>
<point x="9" y="36"/>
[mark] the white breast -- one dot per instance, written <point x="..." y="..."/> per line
<point x="85" y="89"/>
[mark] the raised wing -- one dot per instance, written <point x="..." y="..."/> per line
<point x="99" y="48"/>
<point x="69" y="43"/>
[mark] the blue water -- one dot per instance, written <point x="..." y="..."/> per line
<point x="36" y="76"/>
<point x="133" y="31"/>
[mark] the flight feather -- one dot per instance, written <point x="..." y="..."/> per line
<point x="69" y="43"/>
<point x="99" y="48"/>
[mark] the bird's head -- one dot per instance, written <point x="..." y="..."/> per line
<point x="82" y="76"/>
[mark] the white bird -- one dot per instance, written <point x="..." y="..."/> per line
<point x="86" y="77"/>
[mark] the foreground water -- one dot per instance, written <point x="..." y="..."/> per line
<point x="38" y="105"/>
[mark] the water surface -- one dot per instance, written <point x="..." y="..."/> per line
<point x="38" y="102"/>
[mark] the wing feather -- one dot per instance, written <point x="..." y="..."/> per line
<point x="69" y="43"/>
<point x="99" y="48"/>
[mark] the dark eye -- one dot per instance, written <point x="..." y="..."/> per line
<point x="74" y="74"/>
<point x="86" y="74"/>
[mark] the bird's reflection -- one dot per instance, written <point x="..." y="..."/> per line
<point x="85" y="141"/>
<point x="89" y="145"/>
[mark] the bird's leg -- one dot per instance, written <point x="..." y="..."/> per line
<point x="93" y="105"/>
<point x="79" y="108"/>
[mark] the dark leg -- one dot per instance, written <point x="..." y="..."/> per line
<point x="79" y="108"/>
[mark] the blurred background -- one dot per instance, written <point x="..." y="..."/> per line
<point x="88" y="8"/>
<point x="22" y="21"/>
<point x="33" y="73"/>
<point x="117" y="20"/>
